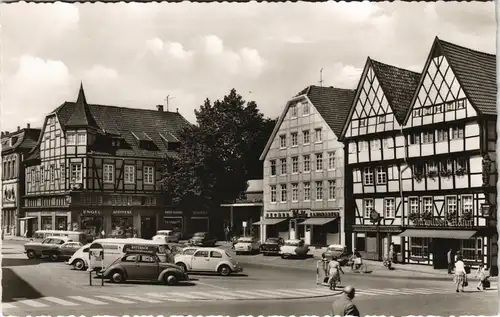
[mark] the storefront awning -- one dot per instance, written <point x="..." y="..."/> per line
<point x="446" y="234"/>
<point x="268" y="222"/>
<point x="317" y="221"/>
<point x="27" y="218"/>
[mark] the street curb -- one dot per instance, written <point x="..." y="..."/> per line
<point x="269" y="298"/>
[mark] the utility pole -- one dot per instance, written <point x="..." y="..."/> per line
<point x="321" y="77"/>
<point x="169" y="97"/>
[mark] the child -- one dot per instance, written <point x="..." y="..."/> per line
<point x="481" y="274"/>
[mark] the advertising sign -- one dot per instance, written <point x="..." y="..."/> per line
<point x="139" y="248"/>
<point x="96" y="260"/>
<point x="244" y="224"/>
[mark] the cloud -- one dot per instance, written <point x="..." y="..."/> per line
<point x="99" y="73"/>
<point x="172" y="49"/>
<point x="343" y="76"/>
<point x="213" y="45"/>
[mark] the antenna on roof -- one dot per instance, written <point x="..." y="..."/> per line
<point x="321" y="77"/>
<point x="167" y="99"/>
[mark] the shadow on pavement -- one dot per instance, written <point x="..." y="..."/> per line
<point x="131" y="283"/>
<point x="216" y="274"/>
<point x="6" y="262"/>
<point x="14" y="287"/>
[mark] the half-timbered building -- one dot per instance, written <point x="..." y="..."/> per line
<point x="97" y="168"/>
<point x="374" y="151"/>
<point x="15" y="145"/>
<point x="450" y="185"/>
<point x="303" y="168"/>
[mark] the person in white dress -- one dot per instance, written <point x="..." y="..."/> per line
<point x="460" y="274"/>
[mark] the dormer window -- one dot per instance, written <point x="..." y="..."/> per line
<point x="145" y="142"/>
<point x="71" y="138"/>
<point x="115" y="142"/>
<point x="13" y="140"/>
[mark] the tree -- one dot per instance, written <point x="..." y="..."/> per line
<point x="219" y="154"/>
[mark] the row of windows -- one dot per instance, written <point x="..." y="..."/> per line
<point x="440" y="108"/>
<point x="369" y="176"/>
<point x="76" y="138"/>
<point x="306" y="138"/>
<point x="294" y="110"/>
<point x="9" y="169"/>
<point x="306" y="191"/>
<point x="471" y="249"/>
<point x="306" y="163"/>
<point x="389" y="210"/>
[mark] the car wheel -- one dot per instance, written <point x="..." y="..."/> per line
<point x="283" y="256"/>
<point x="182" y="266"/>
<point x="53" y="257"/>
<point x="31" y="254"/>
<point x="170" y="279"/>
<point x="117" y="277"/>
<point x="79" y="265"/>
<point x="224" y="270"/>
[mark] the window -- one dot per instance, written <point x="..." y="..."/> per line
<point x="389" y="208"/>
<point x="307" y="163"/>
<point x="427" y="137"/>
<point x="388" y="143"/>
<point x="471" y="249"/>
<point x="419" y="247"/>
<point x="295" y="164"/>
<point x="42" y="175"/>
<point x="319" y="161"/>
<point x="450" y="106"/>
<point x="427" y="201"/>
<point x="368" y="176"/>
<point x="295" y="192"/>
<point x="418" y="169"/>
<point x="273" y="167"/>
<point x="305" y="108"/>
<point x="273" y="193"/>
<point x="441" y="135"/>
<point x="375" y="144"/>
<point x="456" y="133"/>
<point x="148" y="175"/>
<point x="432" y="166"/>
<point x="460" y="104"/>
<point x="108" y="173"/>
<point x="331" y="190"/>
<point x="307" y="191"/>
<point x="414" y="205"/>
<point x="283" y="141"/>
<point x="461" y="164"/>
<point x="381" y="119"/>
<point x="129" y="174"/>
<point x="71" y="138"/>
<point x="283" y="166"/>
<point x="414" y="138"/>
<point x="293" y="111"/>
<point x="130" y="258"/>
<point x="331" y="160"/>
<point x="81" y="138"/>
<point x="307" y="137"/>
<point x="319" y="190"/>
<point x="215" y="254"/>
<point x="362" y="122"/>
<point x="52" y="174"/>
<point x="76" y="172"/>
<point x="201" y="254"/>
<point x="446" y="165"/>
<point x="362" y="146"/>
<point x="381" y="176"/>
<point x="451" y="205"/>
<point x="295" y="138"/>
<point x="368" y="207"/>
<point x="148" y="259"/>
<point x="352" y="147"/>
<point x="283" y="193"/>
<point x="467" y="206"/>
<point x="318" y="135"/>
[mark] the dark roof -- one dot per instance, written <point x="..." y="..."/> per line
<point x="398" y="85"/>
<point x="26" y="140"/>
<point x="332" y="103"/>
<point x="81" y="116"/>
<point x="476" y="73"/>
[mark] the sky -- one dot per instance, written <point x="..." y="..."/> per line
<point x="135" y="55"/>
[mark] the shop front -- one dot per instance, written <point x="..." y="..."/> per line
<point x="174" y="220"/>
<point x="322" y="229"/>
<point x="272" y="228"/>
<point x="48" y="220"/>
<point x="199" y="222"/>
<point x="373" y="241"/>
<point x="29" y="224"/>
<point x="122" y="224"/>
<point x="92" y="222"/>
<point x="9" y="220"/>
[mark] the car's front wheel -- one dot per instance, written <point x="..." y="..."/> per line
<point x="224" y="270"/>
<point x="31" y="254"/>
<point x="79" y="265"/>
<point x="117" y="277"/>
<point x="170" y="279"/>
<point x="182" y="266"/>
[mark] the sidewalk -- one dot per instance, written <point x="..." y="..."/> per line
<point x="15" y="238"/>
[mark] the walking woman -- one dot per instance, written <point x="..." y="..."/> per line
<point x="460" y="274"/>
<point x="334" y="270"/>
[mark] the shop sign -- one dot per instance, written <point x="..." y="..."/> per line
<point x="443" y="223"/>
<point x="91" y="212"/>
<point x="173" y="212"/>
<point x="46" y="213"/>
<point x="32" y="214"/>
<point x="122" y="212"/>
<point x="61" y="213"/>
<point x="139" y="248"/>
<point x="200" y="213"/>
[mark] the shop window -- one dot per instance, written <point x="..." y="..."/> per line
<point x="47" y="223"/>
<point x="360" y="244"/>
<point x="419" y="247"/>
<point x="91" y="225"/>
<point x="122" y="227"/>
<point x="471" y="249"/>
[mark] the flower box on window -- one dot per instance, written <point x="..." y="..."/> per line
<point x="450" y="216"/>
<point x="467" y="215"/>
<point x="432" y="174"/>
<point x="426" y="215"/>
<point x="413" y="216"/>
<point x="460" y="172"/>
<point x="418" y="177"/>
<point x="446" y="173"/>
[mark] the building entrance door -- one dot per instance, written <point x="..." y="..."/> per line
<point x="148" y="227"/>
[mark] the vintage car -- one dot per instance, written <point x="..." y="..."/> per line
<point x="272" y="246"/>
<point x="294" y="248"/>
<point x="247" y="245"/>
<point x="144" y="266"/>
<point x="49" y="247"/>
<point x="166" y="236"/>
<point x="207" y="260"/>
<point x="202" y="239"/>
<point x="66" y="250"/>
<point x="339" y="252"/>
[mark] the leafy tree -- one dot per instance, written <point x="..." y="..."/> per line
<point x="219" y="154"/>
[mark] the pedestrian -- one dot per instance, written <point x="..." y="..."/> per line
<point x="334" y="270"/>
<point x="460" y="274"/>
<point x="226" y="231"/>
<point x="449" y="257"/>
<point x="481" y="274"/>
<point x="344" y="305"/>
<point x="391" y="253"/>
<point x="324" y="265"/>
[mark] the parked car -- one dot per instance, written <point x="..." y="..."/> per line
<point x="202" y="239"/>
<point x="66" y="250"/>
<point x="49" y="247"/>
<point x="166" y="236"/>
<point x="207" y="260"/>
<point x="79" y="259"/>
<point x="294" y="248"/>
<point x="272" y="246"/>
<point x="339" y="252"/>
<point x="247" y="245"/>
<point x="146" y="267"/>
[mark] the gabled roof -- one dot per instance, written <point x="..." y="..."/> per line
<point x="398" y="85"/>
<point x="26" y="140"/>
<point x="475" y="72"/>
<point x="333" y="105"/>
<point x="81" y="116"/>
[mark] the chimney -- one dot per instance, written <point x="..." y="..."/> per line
<point x="160" y="108"/>
<point x="18" y="128"/>
<point x="28" y="126"/>
<point x="177" y="110"/>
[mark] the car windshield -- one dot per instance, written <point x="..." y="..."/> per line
<point x="272" y="240"/>
<point x="292" y="243"/>
<point x="246" y="240"/>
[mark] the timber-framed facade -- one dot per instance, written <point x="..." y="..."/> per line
<point x="98" y="168"/>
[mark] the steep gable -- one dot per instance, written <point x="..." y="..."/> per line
<point x="81" y="115"/>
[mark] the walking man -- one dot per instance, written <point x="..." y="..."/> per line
<point x="344" y="305"/>
<point x="450" y="259"/>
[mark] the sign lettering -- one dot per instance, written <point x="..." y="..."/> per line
<point x="61" y="213"/>
<point x="173" y="212"/>
<point x="200" y="213"/>
<point x="31" y="214"/>
<point x="139" y="248"/>
<point x="443" y="223"/>
<point x="46" y="213"/>
<point x="87" y="212"/>
<point x="122" y="212"/>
